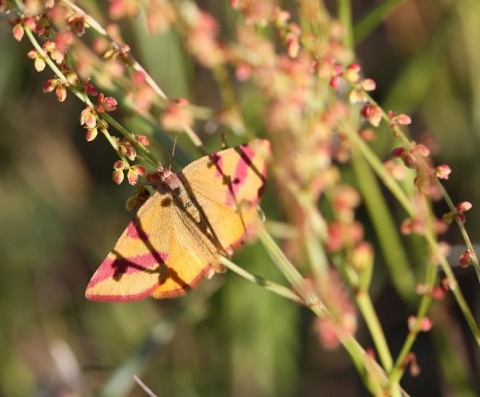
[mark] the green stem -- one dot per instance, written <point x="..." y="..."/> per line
<point x="399" y="367"/>
<point x="268" y="285"/>
<point x="81" y="95"/>
<point x="289" y="270"/>
<point x="385" y="228"/>
<point x="457" y="293"/>
<point x="127" y="134"/>
<point x="344" y="8"/>
<point x="461" y="227"/>
<point x="368" y="312"/>
<point x="377" y="166"/>
<point x="314" y="303"/>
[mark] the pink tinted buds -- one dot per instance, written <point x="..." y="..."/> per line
<point x="401" y="119"/>
<point x="58" y="86"/>
<point x="243" y="71"/>
<point x="77" y="24"/>
<point x="293" y="45"/>
<point x="423" y="325"/>
<point x="39" y="62"/>
<point x="352" y="73"/>
<point x="461" y="208"/>
<point x="18" y="32"/>
<point x="368" y="85"/>
<point x="466" y="257"/>
<point x="142" y="140"/>
<point x="443" y="171"/>
<point x="90" y="89"/>
<point x="128" y="150"/>
<point x="88" y="118"/>
<point x="410" y="156"/>
<point x="118" y="165"/>
<point x="372" y="113"/>
<point x="459" y="213"/>
<point x="412" y="225"/>
<point x="106" y="104"/>
<point x="334" y="82"/>
<point x="133" y="173"/>
<point x="91" y="134"/>
<point x="118" y="175"/>
<point x="50" y="47"/>
<point x="422" y="150"/>
<point x="464" y="206"/>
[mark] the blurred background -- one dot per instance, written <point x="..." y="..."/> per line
<point x="60" y="214"/>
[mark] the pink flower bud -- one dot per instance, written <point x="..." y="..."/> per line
<point x="89" y="88"/>
<point x="77" y="24"/>
<point x="356" y="96"/>
<point x="466" y="258"/>
<point x="87" y="117"/>
<point x="39" y="64"/>
<point x="30" y="23"/>
<point x="422" y="150"/>
<point x="118" y="176"/>
<point x="464" y="206"/>
<point x="293" y="46"/>
<point x="61" y="93"/>
<point x="397" y="152"/>
<point x="49" y="85"/>
<point x="143" y="140"/>
<point x="412" y="225"/>
<point x="402" y="119"/>
<point x="119" y="165"/>
<point x="334" y="82"/>
<point x="243" y="71"/>
<point x="132" y="177"/>
<point x="105" y="104"/>
<point x="368" y="85"/>
<point x="373" y="114"/>
<point x="18" y="32"/>
<point x="128" y="150"/>
<point x="91" y="134"/>
<point x="438" y="293"/>
<point x="443" y="171"/>
<point x="110" y="104"/>
<point x="352" y="73"/>
<point x="424" y="324"/>
<point x="140" y="169"/>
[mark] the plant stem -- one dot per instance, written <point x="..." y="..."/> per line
<point x="368" y="312"/>
<point x="268" y="285"/>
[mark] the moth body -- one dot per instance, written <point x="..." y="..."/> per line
<point x="178" y="235"/>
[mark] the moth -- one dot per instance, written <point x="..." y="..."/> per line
<point x="179" y="234"/>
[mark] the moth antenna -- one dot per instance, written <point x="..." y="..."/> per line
<point x="173" y="151"/>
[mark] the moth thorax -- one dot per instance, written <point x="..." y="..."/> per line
<point x="165" y="181"/>
<point x="166" y="174"/>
